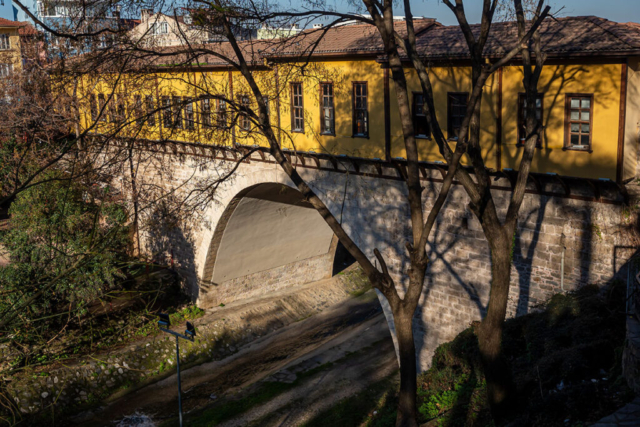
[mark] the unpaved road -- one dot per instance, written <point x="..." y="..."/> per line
<point x="352" y="336"/>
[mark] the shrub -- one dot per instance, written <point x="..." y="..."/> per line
<point x="67" y="244"/>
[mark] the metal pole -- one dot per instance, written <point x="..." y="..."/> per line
<point x="179" y="388"/>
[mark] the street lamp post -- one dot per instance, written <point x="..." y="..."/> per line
<point x="189" y="334"/>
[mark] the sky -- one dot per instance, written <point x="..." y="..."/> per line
<point x="614" y="10"/>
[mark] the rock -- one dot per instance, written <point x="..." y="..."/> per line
<point x="44" y="394"/>
<point x="213" y="396"/>
<point x="120" y="371"/>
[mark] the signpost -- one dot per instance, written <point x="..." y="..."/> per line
<point x="189" y="334"/>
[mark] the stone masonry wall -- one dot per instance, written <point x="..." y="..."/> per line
<point x="268" y="281"/>
<point x="374" y="212"/>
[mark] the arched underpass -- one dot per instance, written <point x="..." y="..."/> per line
<point x="278" y="318"/>
<point x="268" y="238"/>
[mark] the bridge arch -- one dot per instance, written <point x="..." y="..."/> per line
<point x="268" y="238"/>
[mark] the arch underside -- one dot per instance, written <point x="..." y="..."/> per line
<point x="268" y="238"/>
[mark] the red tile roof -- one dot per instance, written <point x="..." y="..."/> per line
<point x="27" y="30"/>
<point x="563" y="37"/>
<point x="581" y="35"/>
<point x="4" y="23"/>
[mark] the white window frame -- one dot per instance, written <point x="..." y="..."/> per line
<point x="6" y="70"/>
<point x="5" y="42"/>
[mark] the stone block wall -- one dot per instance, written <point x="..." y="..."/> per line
<point x="266" y="282"/>
<point x="593" y="236"/>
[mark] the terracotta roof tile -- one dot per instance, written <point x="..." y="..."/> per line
<point x="27" y="30"/>
<point x="6" y="23"/>
<point x="571" y="36"/>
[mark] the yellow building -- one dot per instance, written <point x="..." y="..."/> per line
<point x="10" y="53"/>
<point x="343" y="100"/>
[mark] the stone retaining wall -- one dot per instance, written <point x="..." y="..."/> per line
<point x="268" y="281"/>
<point x="593" y="236"/>
<point x="631" y="354"/>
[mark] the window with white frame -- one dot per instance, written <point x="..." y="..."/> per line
<point x="5" y="43"/>
<point x="164" y="28"/>
<point x="6" y="70"/>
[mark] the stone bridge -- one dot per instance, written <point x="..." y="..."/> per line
<point x="258" y="234"/>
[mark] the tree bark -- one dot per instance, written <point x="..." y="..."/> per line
<point x="500" y="385"/>
<point x="407" y="413"/>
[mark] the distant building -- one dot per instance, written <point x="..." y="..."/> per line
<point x="159" y="29"/>
<point x="10" y="52"/>
<point x="267" y="32"/>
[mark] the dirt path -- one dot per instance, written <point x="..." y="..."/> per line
<point x="319" y="340"/>
<point x="349" y="374"/>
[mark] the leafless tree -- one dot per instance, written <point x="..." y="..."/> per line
<point x="137" y="60"/>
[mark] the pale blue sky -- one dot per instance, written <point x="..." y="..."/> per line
<point x="615" y="10"/>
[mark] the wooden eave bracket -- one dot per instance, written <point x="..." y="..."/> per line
<point x="536" y="183"/>
<point x="595" y="188"/>
<point x="401" y="168"/>
<point x="355" y="163"/>
<point x="567" y="189"/>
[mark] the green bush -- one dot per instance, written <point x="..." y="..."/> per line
<point x="67" y="244"/>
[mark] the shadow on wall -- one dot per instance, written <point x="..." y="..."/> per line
<point x="561" y="244"/>
<point x="169" y="243"/>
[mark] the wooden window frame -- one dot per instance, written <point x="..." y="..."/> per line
<point x="93" y="107"/>
<point x="167" y="114"/>
<point x="221" y="113"/>
<point x="151" y="114"/>
<point x="102" y="108"/>
<point x="521" y="124"/>
<point x="451" y="136"/>
<point x="205" y="112"/>
<point x="7" y="38"/>
<point x="120" y="107"/>
<point x="414" y="116"/>
<point x="567" y="121"/>
<point x="137" y="107"/>
<point x="176" y="106"/>
<point x="353" y="110"/>
<point x="189" y="113"/>
<point x="323" y="130"/>
<point x="244" y="122"/>
<point x="294" y="129"/>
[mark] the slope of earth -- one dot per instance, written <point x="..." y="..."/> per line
<point x="330" y="334"/>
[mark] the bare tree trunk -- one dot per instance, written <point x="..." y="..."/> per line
<point x="407" y="413"/>
<point x="500" y="385"/>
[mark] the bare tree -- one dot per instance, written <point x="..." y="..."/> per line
<point x="129" y="62"/>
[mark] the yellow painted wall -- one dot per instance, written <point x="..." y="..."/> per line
<point x="632" y="125"/>
<point x="603" y="80"/>
<point x="13" y="55"/>
<point x="445" y="80"/>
